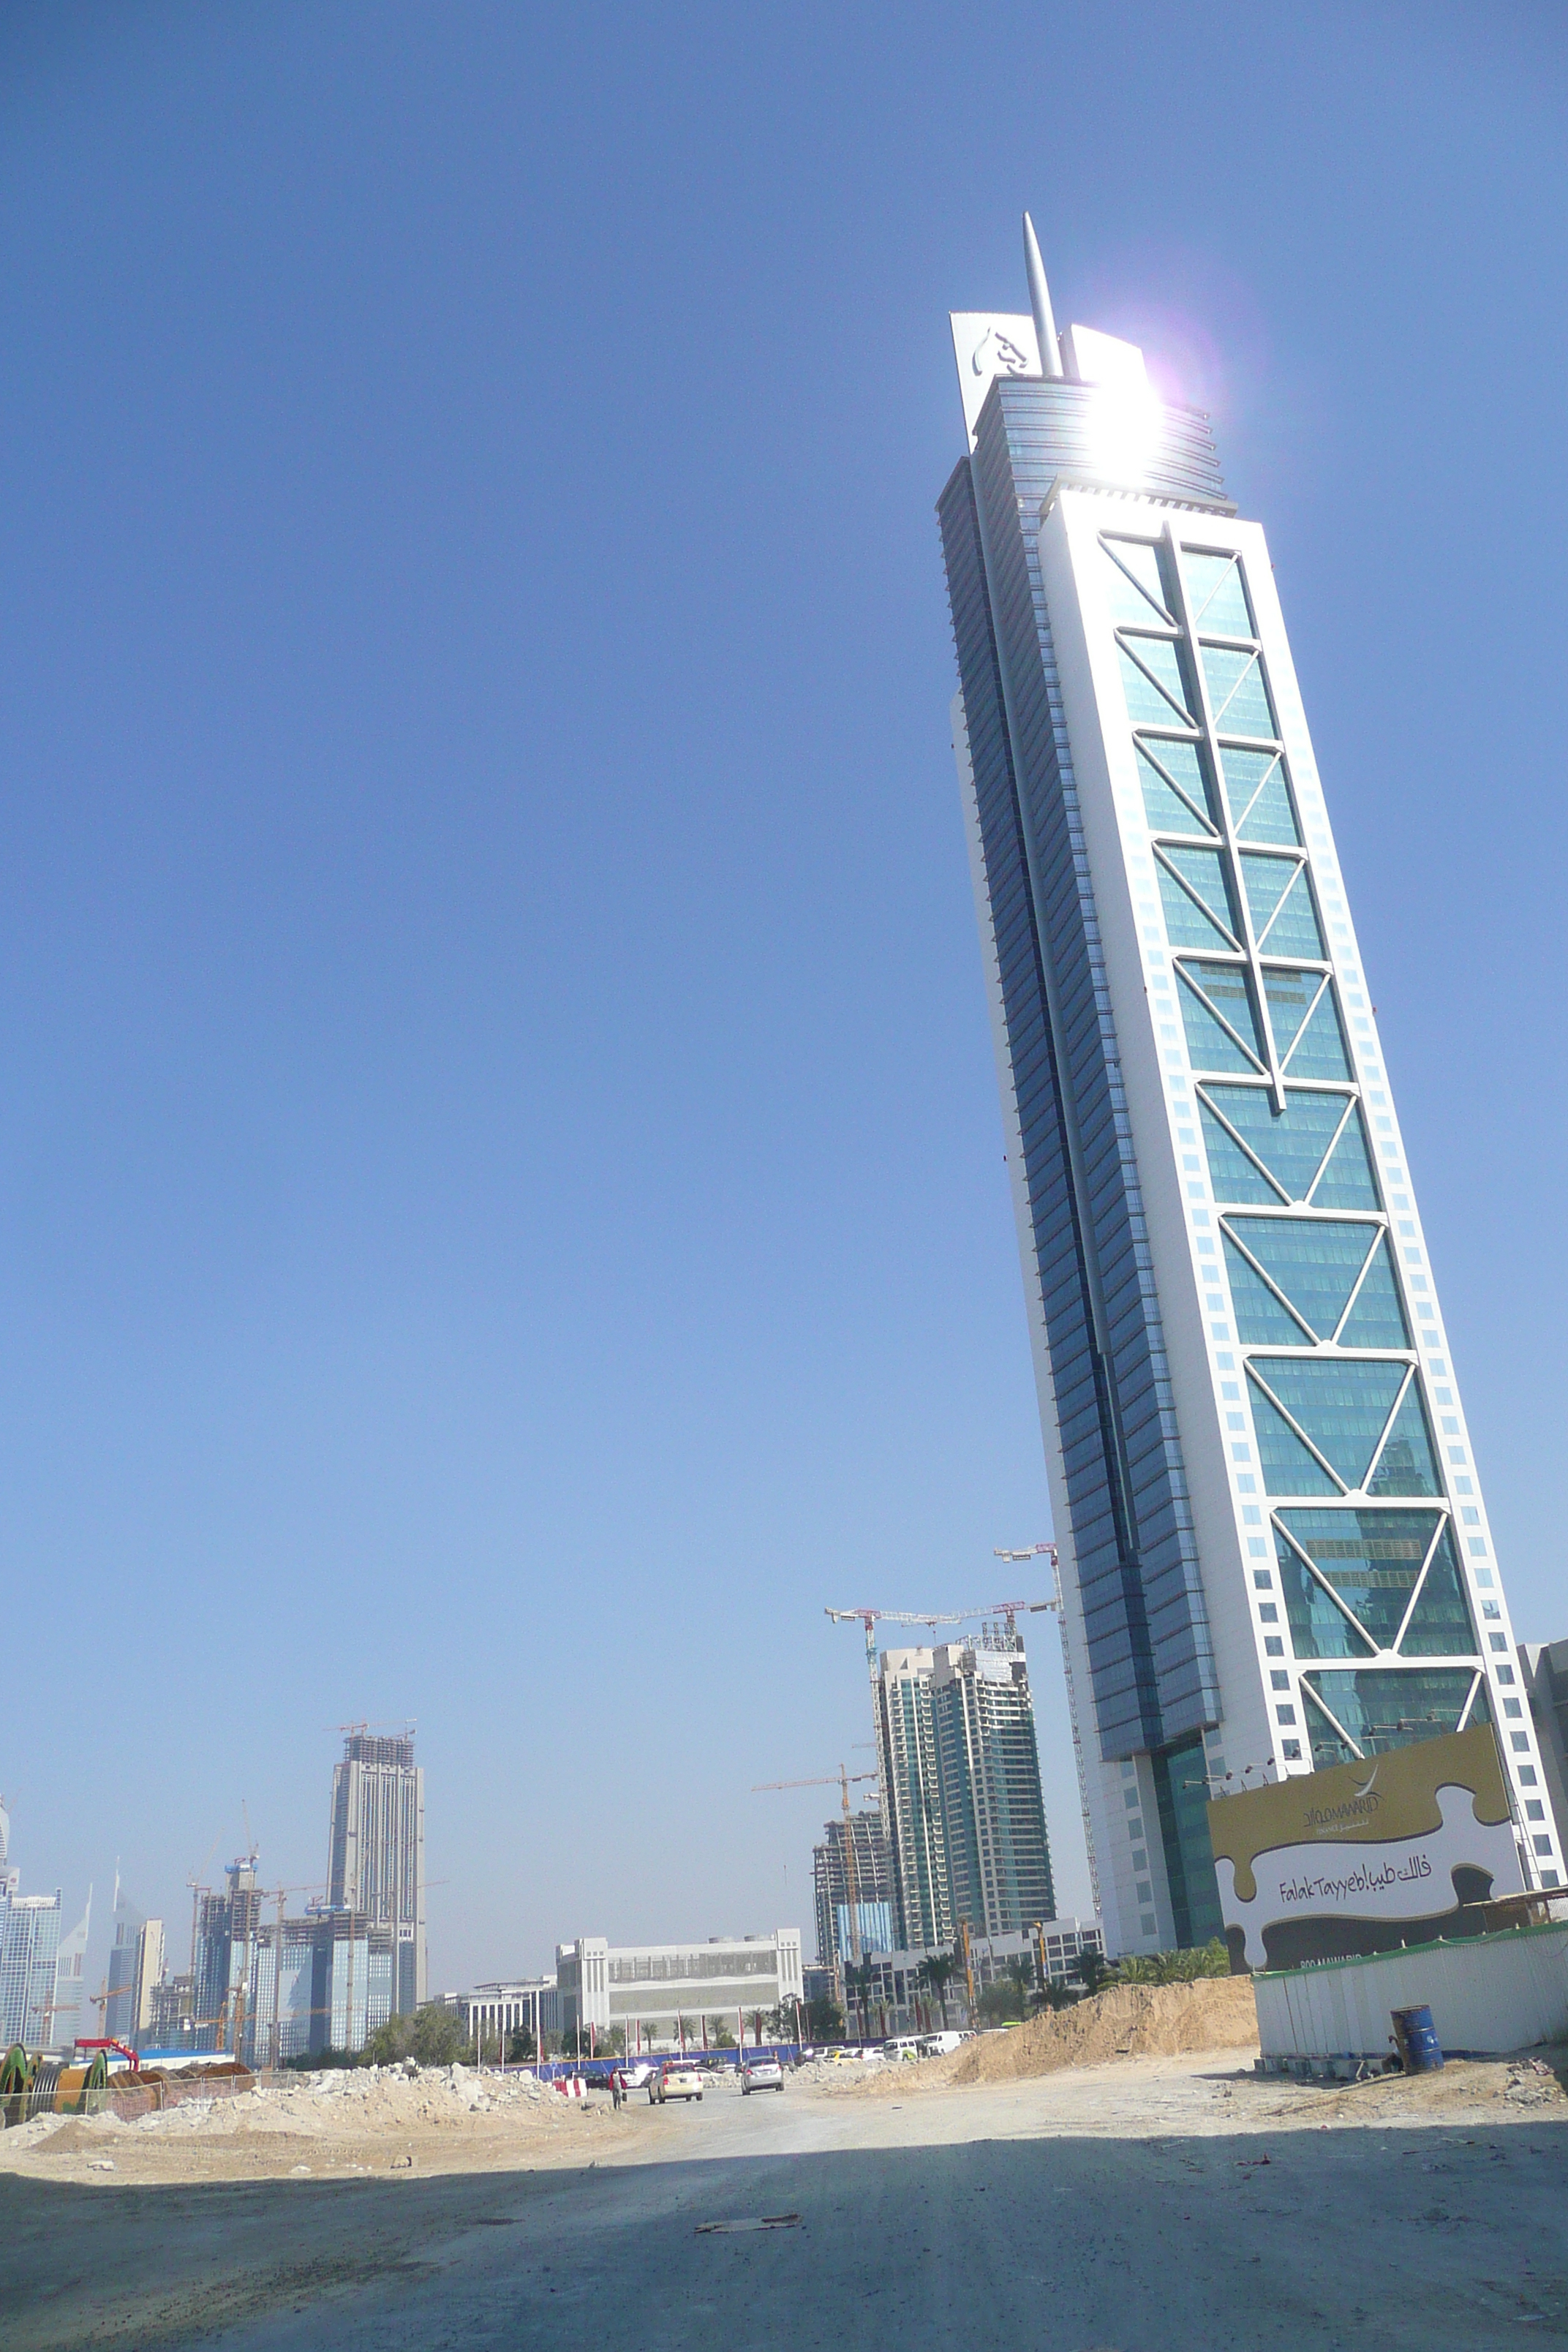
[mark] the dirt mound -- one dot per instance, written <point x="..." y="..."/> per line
<point x="1126" y="2021"/>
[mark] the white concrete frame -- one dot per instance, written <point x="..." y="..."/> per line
<point x="1231" y="1511"/>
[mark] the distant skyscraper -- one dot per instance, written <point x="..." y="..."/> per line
<point x="961" y="1773"/>
<point x="377" y="1850"/>
<point x="227" y="1929"/>
<point x="135" y="1971"/>
<point x="1274" y="1548"/>
<point x="873" y="1888"/>
<point x="322" y="1982"/>
<point x="270" y="1988"/>
<point x="29" y="1955"/>
<point x="70" y="1961"/>
<point x="170" y="2014"/>
<point x="40" y="1970"/>
<point x="917" y="1838"/>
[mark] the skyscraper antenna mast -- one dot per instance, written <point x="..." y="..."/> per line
<point x="1040" y="302"/>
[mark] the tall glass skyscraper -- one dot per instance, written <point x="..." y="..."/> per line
<point x="1274" y="1547"/>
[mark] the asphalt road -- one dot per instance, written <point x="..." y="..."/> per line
<point x="1126" y="2210"/>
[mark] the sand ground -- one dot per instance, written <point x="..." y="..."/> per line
<point x="1137" y="2204"/>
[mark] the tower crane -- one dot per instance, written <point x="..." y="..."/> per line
<point x="844" y="1782"/>
<point x="1008" y="1610"/>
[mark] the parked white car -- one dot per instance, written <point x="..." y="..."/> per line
<point x="761" y="2074"/>
<point x="939" y="2045"/>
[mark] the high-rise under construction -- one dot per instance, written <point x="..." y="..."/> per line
<point x="375" y="1853"/>
<point x="850" y="1867"/>
<point x="961" y="1780"/>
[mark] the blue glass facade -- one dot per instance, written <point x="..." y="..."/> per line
<point x="1143" y="1613"/>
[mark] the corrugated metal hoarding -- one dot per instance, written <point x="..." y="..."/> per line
<point x="1486" y="1994"/>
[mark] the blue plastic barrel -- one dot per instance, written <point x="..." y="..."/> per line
<point x="1420" y="2051"/>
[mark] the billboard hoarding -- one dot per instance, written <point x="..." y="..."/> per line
<point x="1363" y="1858"/>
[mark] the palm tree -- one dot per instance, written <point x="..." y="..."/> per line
<point x="936" y="1970"/>
<point x="1180" y="1966"/>
<point x="1090" y="1969"/>
<point x="1143" y="1968"/>
<point x="857" y="1981"/>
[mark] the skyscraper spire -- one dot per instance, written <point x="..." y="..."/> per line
<point x="1040" y="302"/>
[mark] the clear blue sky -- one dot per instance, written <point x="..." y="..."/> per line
<point x="501" y="1203"/>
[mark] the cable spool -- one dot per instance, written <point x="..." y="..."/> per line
<point x="15" y="2074"/>
<point x="41" y="2090"/>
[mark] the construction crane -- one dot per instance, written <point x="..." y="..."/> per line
<point x="106" y="1993"/>
<point x="844" y="1782"/>
<point x="1058" y="1610"/>
<point x="1008" y="1610"/>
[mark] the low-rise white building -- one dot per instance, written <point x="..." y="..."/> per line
<point x="666" y="1992"/>
<point x="492" y="2013"/>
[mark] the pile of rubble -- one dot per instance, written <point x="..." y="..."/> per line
<point x="345" y="2118"/>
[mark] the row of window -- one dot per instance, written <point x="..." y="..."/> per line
<point x="1299" y="1281"/>
<point x="1367" y="1712"/>
<point x="1161" y="692"/>
<point x="1341" y="1425"/>
<point x="1314" y="1152"/>
<point x="1144" y="593"/>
